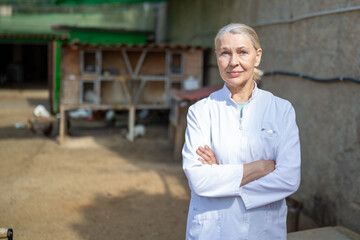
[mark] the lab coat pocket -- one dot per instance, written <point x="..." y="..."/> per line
<point x="264" y="145"/>
<point x="269" y="140"/>
<point x="205" y="224"/>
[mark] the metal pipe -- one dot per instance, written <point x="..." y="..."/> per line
<point x="321" y="80"/>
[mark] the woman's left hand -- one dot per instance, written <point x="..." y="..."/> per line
<point x="207" y="156"/>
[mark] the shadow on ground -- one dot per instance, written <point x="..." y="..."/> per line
<point x="112" y="217"/>
<point x="163" y="216"/>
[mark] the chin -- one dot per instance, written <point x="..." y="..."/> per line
<point x="236" y="82"/>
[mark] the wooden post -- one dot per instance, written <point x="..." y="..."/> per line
<point x="131" y="123"/>
<point x="180" y="127"/>
<point x="62" y="128"/>
<point x="179" y="140"/>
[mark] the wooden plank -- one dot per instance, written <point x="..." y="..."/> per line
<point x="154" y="78"/>
<point x="152" y="106"/>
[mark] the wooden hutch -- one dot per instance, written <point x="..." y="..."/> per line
<point x="124" y="77"/>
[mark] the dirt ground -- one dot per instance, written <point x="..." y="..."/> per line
<point x="94" y="186"/>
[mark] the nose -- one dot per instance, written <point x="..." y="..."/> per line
<point x="234" y="61"/>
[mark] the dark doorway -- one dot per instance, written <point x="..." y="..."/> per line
<point x="23" y="65"/>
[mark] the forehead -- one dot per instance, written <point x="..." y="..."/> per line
<point x="235" y="40"/>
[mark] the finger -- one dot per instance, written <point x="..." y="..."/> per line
<point x="208" y="155"/>
<point x="209" y="151"/>
<point x="203" y="161"/>
<point x="204" y="157"/>
<point x="200" y="151"/>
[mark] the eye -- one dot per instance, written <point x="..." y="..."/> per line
<point x="225" y="53"/>
<point x="243" y="52"/>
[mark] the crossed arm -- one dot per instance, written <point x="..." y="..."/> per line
<point x="251" y="171"/>
<point x="207" y="178"/>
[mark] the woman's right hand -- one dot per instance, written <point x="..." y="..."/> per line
<point x="256" y="170"/>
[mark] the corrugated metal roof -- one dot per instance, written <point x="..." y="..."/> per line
<point x="77" y="2"/>
<point x="48" y="37"/>
<point x="103" y="29"/>
<point x="41" y="23"/>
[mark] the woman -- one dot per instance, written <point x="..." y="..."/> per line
<point x="242" y="152"/>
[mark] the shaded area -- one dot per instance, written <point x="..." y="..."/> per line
<point x="23" y="64"/>
<point x="326" y="233"/>
<point x="37" y="101"/>
<point x="12" y="133"/>
<point x="117" y="217"/>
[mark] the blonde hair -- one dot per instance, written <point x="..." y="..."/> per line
<point x="239" y="28"/>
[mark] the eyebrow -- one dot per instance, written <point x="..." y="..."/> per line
<point x="237" y="48"/>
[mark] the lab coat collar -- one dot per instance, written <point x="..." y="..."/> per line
<point x="227" y="93"/>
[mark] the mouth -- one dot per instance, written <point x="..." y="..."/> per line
<point x="235" y="73"/>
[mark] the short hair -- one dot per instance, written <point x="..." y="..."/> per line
<point x="239" y="28"/>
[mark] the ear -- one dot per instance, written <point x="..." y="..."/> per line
<point x="258" y="57"/>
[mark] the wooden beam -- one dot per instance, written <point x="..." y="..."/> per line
<point x="127" y="63"/>
<point x="140" y="63"/>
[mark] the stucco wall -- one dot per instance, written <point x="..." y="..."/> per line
<point x="328" y="114"/>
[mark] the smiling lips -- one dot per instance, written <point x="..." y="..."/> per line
<point x="235" y="73"/>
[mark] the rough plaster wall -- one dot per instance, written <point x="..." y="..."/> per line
<point x="322" y="47"/>
<point x="328" y="114"/>
<point x="328" y="117"/>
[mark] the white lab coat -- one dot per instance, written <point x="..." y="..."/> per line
<point x="219" y="207"/>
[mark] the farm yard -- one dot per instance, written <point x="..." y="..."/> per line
<point x="96" y="185"/>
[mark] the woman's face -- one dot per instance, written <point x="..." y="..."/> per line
<point x="237" y="58"/>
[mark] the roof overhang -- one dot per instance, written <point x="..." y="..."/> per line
<point x="149" y="46"/>
<point x="77" y="2"/>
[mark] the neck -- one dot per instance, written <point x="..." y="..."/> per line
<point x="241" y="93"/>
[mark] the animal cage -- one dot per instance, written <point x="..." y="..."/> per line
<point x="124" y="77"/>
